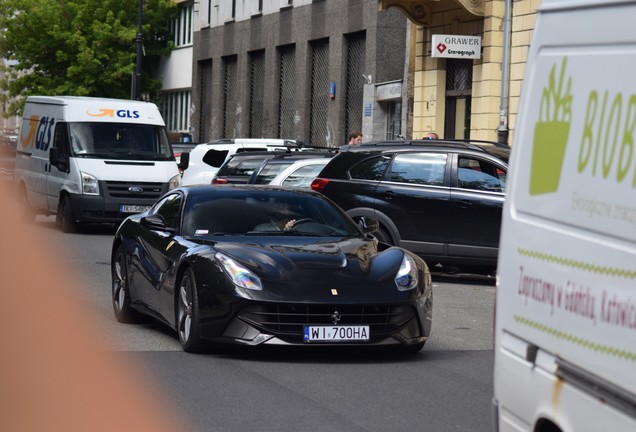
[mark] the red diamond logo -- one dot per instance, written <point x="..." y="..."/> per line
<point x="441" y="47"/>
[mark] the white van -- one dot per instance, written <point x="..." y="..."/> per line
<point x="91" y="159"/>
<point x="565" y="321"/>
<point x="205" y="160"/>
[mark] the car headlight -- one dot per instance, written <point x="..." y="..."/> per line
<point x="174" y="182"/>
<point x="239" y="274"/>
<point x="406" y="278"/>
<point x="90" y="186"/>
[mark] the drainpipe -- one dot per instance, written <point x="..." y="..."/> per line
<point x="502" y="132"/>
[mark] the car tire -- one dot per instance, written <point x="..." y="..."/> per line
<point x="120" y="292"/>
<point x="26" y="212"/>
<point x="65" y="215"/>
<point x="187" y="311"/>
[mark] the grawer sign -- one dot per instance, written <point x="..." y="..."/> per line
<point x="456" y="46"/>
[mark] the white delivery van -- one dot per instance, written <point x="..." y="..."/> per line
<point x="565" y="320"/>
<point x="91" y="159"/>
<point x="204" y="160"/>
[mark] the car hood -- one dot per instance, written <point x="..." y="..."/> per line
<point x="291" y="258"/>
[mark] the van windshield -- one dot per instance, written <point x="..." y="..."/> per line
<point x="119" y="141"/>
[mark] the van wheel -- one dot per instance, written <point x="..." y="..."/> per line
<point x="65" y="215"/>
<point x="26" y="212"/>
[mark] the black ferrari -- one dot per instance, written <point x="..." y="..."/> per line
<point x="252" y="265"/>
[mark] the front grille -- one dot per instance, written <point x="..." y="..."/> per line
<point x="118" y="189"/>
<point x="289" y="320"/>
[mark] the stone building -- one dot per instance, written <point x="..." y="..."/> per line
<point x="299" y="69"/>
<point x="468" y="98"/>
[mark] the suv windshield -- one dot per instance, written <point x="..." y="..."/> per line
<point x="119" y="141"/>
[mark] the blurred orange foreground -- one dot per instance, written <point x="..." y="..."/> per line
<point x="53" y="374"/>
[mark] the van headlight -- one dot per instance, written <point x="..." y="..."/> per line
<point x="406" y="278"/>
<point x="174" y="182"/>
<point x="239" y="275"/>
<point x="90" y="186"/>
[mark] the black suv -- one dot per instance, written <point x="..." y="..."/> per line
<point x="441" y="199"/>
<point x="262" y="166"/>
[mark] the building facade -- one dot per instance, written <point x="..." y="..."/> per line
<point x="300" y="69"/>
<point x="175" y="72"/>
<point x="468" y="98"/>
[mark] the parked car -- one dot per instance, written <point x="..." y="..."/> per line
<point x="259" y="264"/>
<point x="438" y="198"/>
<point x="301" y="173"/>
<point x="262" y="167"/>
<point x="270" y="168"/>
<point x="204" y="160"/>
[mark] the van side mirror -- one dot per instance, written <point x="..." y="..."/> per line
<point x="58" y="159"/>
<point x="184" y="161"/>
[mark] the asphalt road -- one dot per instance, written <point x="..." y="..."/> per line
<point x="445" y="387"/>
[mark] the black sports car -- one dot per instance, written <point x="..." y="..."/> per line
<point x="253" y="265"/>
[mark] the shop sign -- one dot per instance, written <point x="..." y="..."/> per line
<point x="456" y="46"/>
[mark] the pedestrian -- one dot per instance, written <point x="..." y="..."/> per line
<point x="355" y="138"/>
<point x="431" y="135"/>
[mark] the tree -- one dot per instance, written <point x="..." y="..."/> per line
<point x="80" y="47"/>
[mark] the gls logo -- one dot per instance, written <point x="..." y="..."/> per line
<point x="39" y="132"/>
<point x="122" y="113"/>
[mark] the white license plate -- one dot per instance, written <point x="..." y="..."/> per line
<point x="127" y="208"/>
<point x="336" y="333"/>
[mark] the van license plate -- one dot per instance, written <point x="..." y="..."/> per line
<point x="128" y="208"/>
<point x="336" y="333"/>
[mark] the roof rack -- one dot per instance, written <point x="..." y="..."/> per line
<point x="459" y="143"/>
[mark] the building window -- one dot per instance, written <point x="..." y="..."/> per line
<point x="182" y="27"/>
<point x="257" y="85"/>
<point x="355" y="83"/>
<point x="176" y="110"/>
<point x="230" y="96"/>
<point x="205" y="106"/>
<point x="286" y="91"/>
<point x="319" y="115"/>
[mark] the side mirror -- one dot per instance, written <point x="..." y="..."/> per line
<point x="156" y="222"/>
<point x="58" y="159"/>
<point x="184" y="161"/>
<point x="368" y="225"/>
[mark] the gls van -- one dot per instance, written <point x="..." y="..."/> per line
<point x="565" y="321"/>
<point x="91" y="159"/>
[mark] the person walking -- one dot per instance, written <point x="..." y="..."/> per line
<point x="431" y="135"/>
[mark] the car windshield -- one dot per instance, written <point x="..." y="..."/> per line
<point x="119" y="141"/>
<point x="249" y="212"/>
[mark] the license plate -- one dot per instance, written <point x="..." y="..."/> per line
<point x="336" y="333"/>
<point x="129" y="208"/>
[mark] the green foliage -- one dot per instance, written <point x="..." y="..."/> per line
<point x="80" y="47"/>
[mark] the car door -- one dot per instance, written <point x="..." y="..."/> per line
<point x="477" y="195"/>
<point x="155" y="257"/>
<point x="415" y="195"/>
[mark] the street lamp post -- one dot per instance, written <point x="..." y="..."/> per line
<point x="136" y="84"/>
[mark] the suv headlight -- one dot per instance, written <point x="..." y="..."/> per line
<point x="406" y="278"/>
<point x="240" y="275"/>
<point x="90" y="186"/>
<point x="174" y="182"/>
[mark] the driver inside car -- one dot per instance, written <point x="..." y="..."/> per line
<point x="281" y="218"/>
